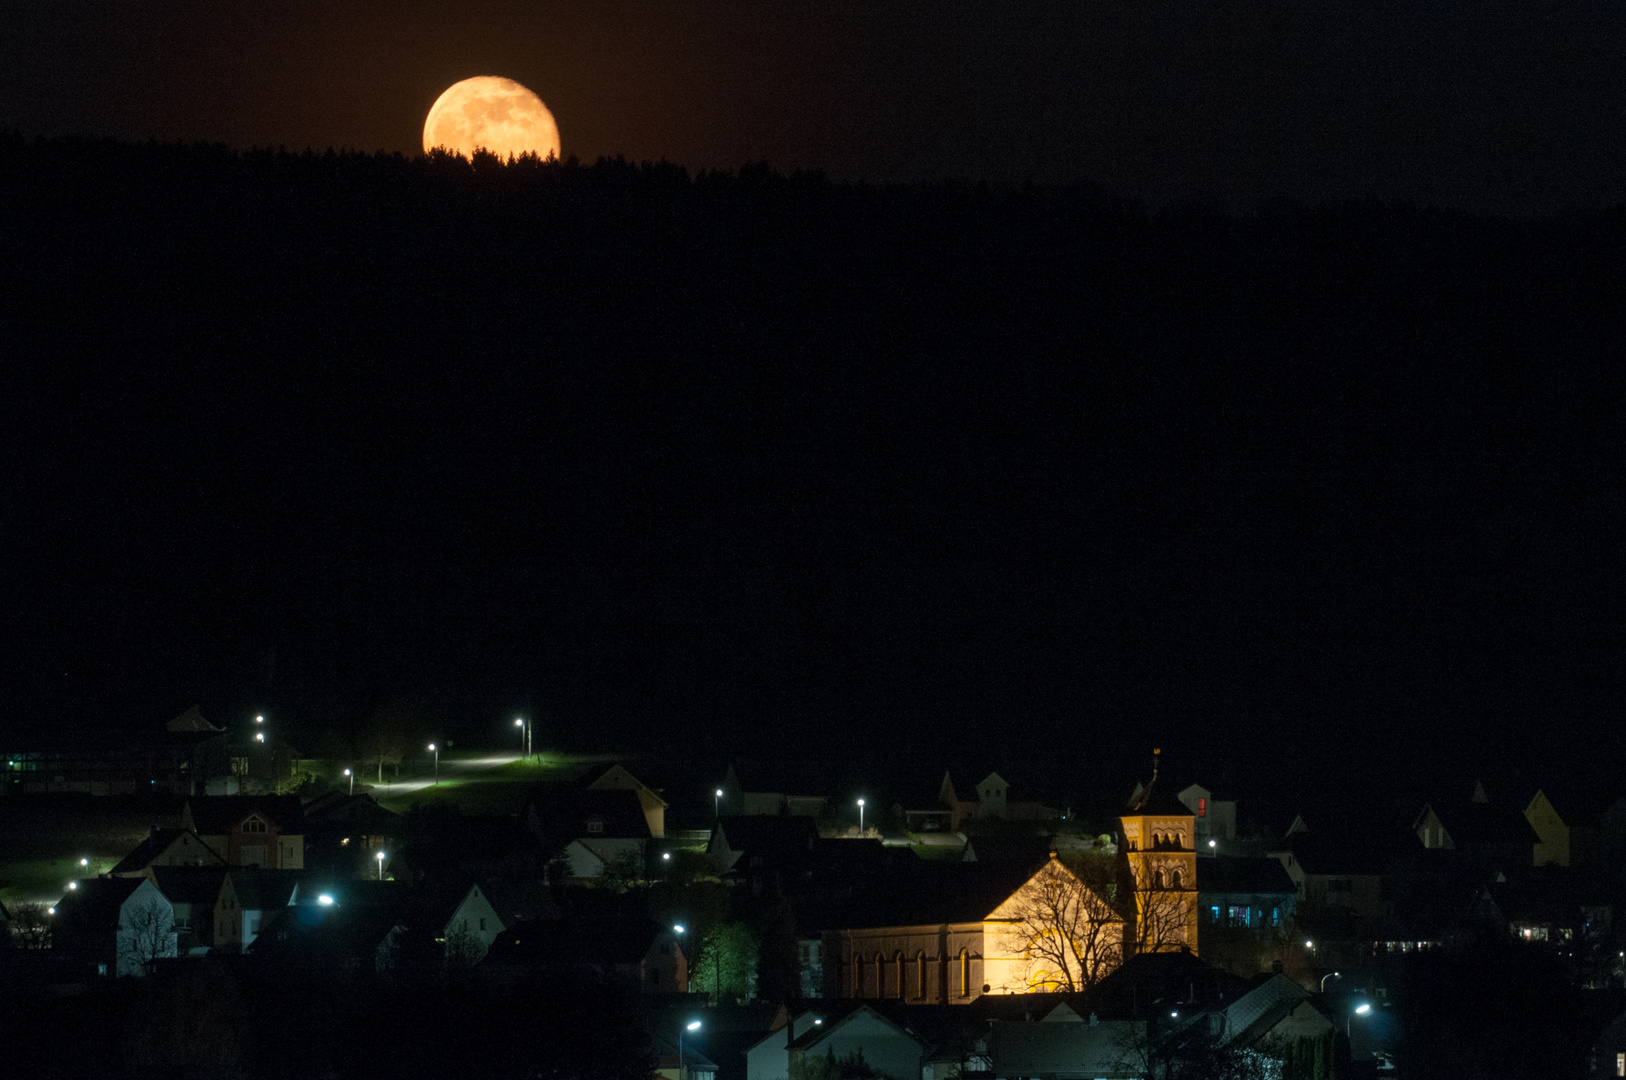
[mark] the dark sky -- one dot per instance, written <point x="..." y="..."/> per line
<point x="1489" y="105"/>
<point x="1334" y="489"/>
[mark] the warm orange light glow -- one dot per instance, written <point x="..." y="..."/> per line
<point x="494" y="114"/>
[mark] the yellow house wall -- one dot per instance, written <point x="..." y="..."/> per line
<point x="941" y="945"/>
<point x="1554" y="847"/>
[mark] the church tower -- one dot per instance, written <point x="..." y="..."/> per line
<point x="1158" y="864"/>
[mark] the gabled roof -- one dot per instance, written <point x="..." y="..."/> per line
<point x="764" y="835"/>
<point x="589" y="942"/>
<point x="336" y="810"/>
<point x="189" y="722"/>
<point x="215" y="815"/>
<point x="1156" y="798"/>
<point x="95" y="905"/>
<point x="157" y="843"/>
<point x="565" y="814"/>
<point x="190" y="884"/>
<point x="810" y="1039"/>
<point x="1261" y="1008"/>
<point x="617" y="777"/>
<point x="1227" y="874"/>
<point x="257" y="889"/>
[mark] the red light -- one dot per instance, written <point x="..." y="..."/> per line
<point x="1202" y="807"/>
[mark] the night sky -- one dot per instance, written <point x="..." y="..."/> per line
<point x="1496" y="105"/>
<point x="1320" y="497"/>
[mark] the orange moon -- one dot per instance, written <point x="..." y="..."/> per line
<point x="492" y="114"/>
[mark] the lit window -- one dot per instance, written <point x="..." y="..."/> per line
<point x="1620" y="1064"/>
<point x="1202" y="807"/>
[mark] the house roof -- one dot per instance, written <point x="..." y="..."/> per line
<point x="1060" y="1049"/>
<point x="257" y="889"/>
<point x="157" y="842"/>
<point x="818" y="1033"/>
<point x="565" y="814"/>
<point x="764" y="835"/>
<point x="327" y="935"/>
<point x="215" y="815"/>
<point x="191" y="721"/>
<point x="336" y="810"/>
<point x="190" y="884"/>
<point x="95" y="905"/>
<point x="1225" y="874"/>
<point x="1262" y="1008"/>
<point x="914" y="893"/>
<point x="1476" y="824"/>
<point x="576" y="941"/>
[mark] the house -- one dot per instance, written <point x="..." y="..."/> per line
<point x="167" y="847"/>
<point x="993" y="803"/>
<point x="194" y="892"/>
<point x="769" y="1057"/>
<point x="1495" y="834"/>
<point x="1066" y="1046"/>
<point x="1215" y="820"/>
<point x="741" y="803"/>
<point x="635" y="952"/>
<point x="1248" y="893"/>
<point x="753" y="845"/>
<point x="341" y="938"/>
<point x="471" y="927"/>
<point x="617" y="778"/>
<point x="250" y="830"/>
<point x="342" y="832"/>
<point x="249" y="897"/>
<point x="679" y="1059"/>
<point x="885" y="1046"/>
<point x="114" y="926"/>
<point x="594" y="828"/>
<point x="956" y="931"/>
<point x="1553" y="845"/>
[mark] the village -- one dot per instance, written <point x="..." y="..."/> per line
<point x="962" y="928"/>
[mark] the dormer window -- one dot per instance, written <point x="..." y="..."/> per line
<point x="595" y="826"/>
<point x="254" y="825"/>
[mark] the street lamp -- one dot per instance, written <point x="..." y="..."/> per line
<point x="1329" y="975"/>
<point x="1360" y="1010"/>
<point x="717" y="803"/>
<point x="677" y="928"/>
<point x="352" y="777"/>
<point x="259" y="719"/>
<point x="860" y="817"/>
<point x="380" y="857"/>
<point x="437" y="762"/>
<point x="692" y="1025"/>
<point x="259" y="736"/>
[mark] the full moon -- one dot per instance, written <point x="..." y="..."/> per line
<point x="492" y="114"/>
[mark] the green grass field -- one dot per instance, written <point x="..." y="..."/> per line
<point x="498" y="790"/>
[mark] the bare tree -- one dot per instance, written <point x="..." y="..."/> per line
<point x="146" y="933"/>
<point x="1063" y="929"/>
<point x="1161" y="912"/>
<point x="30" y="926"/>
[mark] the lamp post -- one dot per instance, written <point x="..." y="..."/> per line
<point x="380" y="857"/>
<point x="437" y="762"/>
<point x="1360" y="1010"/>
<point x="352" y="777"/>
<point x="717" y="803"/>
<point x="677" y="928"/>
<point x="692" y="1025"/>
<point x="1329" y="975"/>
<point x="860" y="817"/>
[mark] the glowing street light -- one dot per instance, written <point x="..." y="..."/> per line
<point x="259" y="736"/>
<point x="352" y="777"/>
<point x="437" y="762"/>
<point x="860" y="817"/>
<point x="325" y="900"/>
<point x="73" y="884"/>
<point x="1360" y="1010"/>
<point x="717" y="803"/>
<point x="1329" y="975"/>
<point x="259" y="719"/>
<point x="524" y="736"/>
<point x="692" y="1025"/>
<point x="380" y="857"/>
<point x="84" y="862"/>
